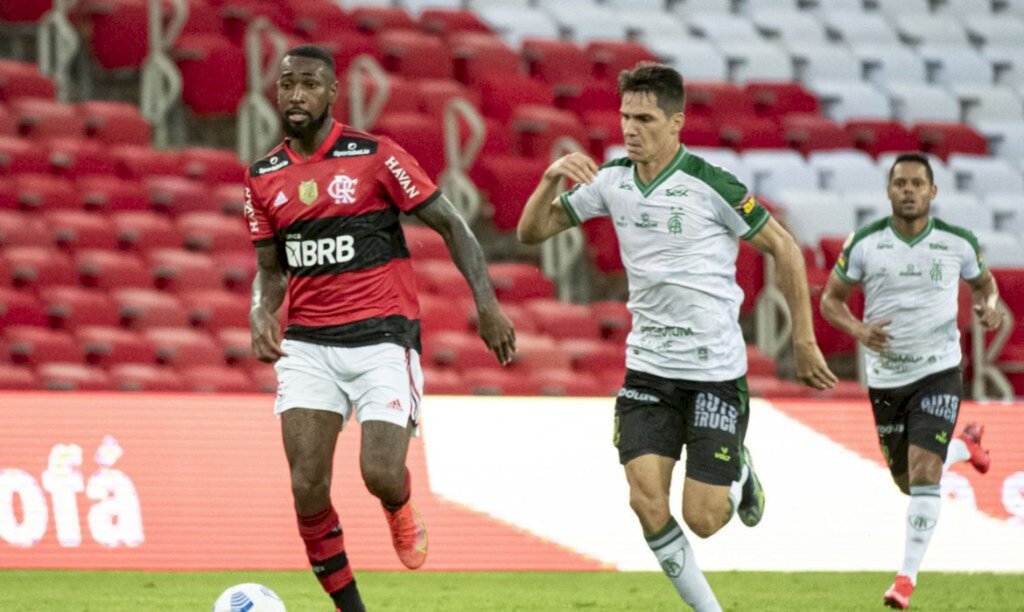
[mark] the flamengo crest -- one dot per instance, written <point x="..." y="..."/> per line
<point x="343" y="189"/>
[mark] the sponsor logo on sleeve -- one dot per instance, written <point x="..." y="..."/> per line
<point x="402" y="177"/>
<point x="250" y="213"/>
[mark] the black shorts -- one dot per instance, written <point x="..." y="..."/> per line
<point x="655" y="415"/>
<point x="922" y="413"/>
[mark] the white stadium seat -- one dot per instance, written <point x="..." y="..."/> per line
<point x="722" y="28"/>
<point x="846" y="170"/>
<point x="813" y="214"/>
<point x="980" y="103"/>
<point x="477" y="5"/>
<point x="935" y="29"/>
<point x="642" y="5"/>
<point x="982" y="174"/>
<point x="814" y="61"/>
<point x="965" y="9"/>
<point x="1001" y="249"/>
<point x="415" y="7"/>
<point x="728" y="159"/>
<point x="867" y="206"/>
<point x="1007" y="63"/>
<point x="1008" y="210"/>
<point x="834" y="6"/>
<point x="891" y="64"/>
<point x="514" y="24"/>
<point x="789" y="26"/>
<point x="951" y="64"/>
<point x="757" y="61"/>
<point x="895" y="8"/>
<point x="915" y="102"/>
<point x="963" y="210"/>
<point x="1005" y="138"/>
<point x="692" y="7"/>
<point x="753" y="6"/>
<point x="646" y="24"/>
<point x="856" y="27"/>
<point x="845" y="100"/>
<point x="1001" y="29"/>
<point x="776" y="170"/>
<point x="696" y="59"/>
<point x="586" y="24"/>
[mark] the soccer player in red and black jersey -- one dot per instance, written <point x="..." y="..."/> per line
<point x="323" y="208"/>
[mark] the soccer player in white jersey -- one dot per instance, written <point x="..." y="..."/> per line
<point x="909" y="266"/>
<point x="678" y="220"/>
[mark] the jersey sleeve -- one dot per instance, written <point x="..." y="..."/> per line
<point x="584" y="202"/>
<point x="256" y="217"/>
<point x="737" y="209"/>
<point x="408" y="186"/>
<point x="850" y="265"/>
<point x="972" y="264"/>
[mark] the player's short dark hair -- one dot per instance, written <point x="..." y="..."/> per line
<point x="663" y="81"/>
<point x="914" y="158"/>
<point x="313" y="52"/>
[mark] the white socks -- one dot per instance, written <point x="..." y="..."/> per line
<point x="675" y="556"/>
<point x="922" y="517"/>
<point x="956" y="453"/>
<point x="736" y="490"/>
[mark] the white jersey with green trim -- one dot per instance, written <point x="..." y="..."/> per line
<point x="915" y="283"/>
<point x="678" y="238"/>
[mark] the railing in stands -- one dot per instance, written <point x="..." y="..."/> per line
<point x="773" y="321"/>
<point x="258" y="123"/>
<point x="57" y="46"/>
<point x="562" y="256"/>
<point x="454" y="181"/>
<point x="987" y="369"/>
<point x="363" y="111"/>
<point x="160" y="100"/>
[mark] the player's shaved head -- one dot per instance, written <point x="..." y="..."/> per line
<point x="663" y="82"/>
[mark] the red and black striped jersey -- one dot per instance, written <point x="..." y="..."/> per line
<point x="334" y="216"/>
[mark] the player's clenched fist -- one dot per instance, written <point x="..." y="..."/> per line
<point x="577" y="167"/>
<point x="266" y="336"/>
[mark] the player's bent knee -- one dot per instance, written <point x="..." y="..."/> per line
<point x="652" y="510"/>
<point x="383" y="479"/>
<point x="705" y="522"/>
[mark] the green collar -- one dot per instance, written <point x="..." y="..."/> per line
<point x="672" y="166"/>
<point x="912" y="241"/>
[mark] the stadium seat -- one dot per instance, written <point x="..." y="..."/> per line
<point x="989" y="29"/>
<point x="72" y="230"/>
<point x="20" y="155"/>
<point x="381" y="18"/>
<point x="898" y="8"/>
<point x="718" y="100"/>
<point x="21" y="228"/>
<point x="436" y="381"/>
<point x="32" y="345"/>
<point x="109" y="23"/>
<point x="984" y="103"/>
<point x="749" y="275"/>
<point x="42" y="192"/>
<point x="435" y="94"/>
<point x="982" y="174"/>
<point x="778" y="99"/>
<point x="539" y="127"/>
<point x="950" y="64"/>
<point x="846" y="100"/>
<point x="183" y="347"/>
<point x="104" y="269"/>
<point x="440" y="277"/>
<point x="417" y="133"/>
<point x="941" y="139"/>
<point x="217" y="379"/>
<point x="1001" y="250"/>
<point x="73" y="377"/>
<point x="424" y="243"/>
<point x="589" y="355"/>
<point x="115" y="123"/>
<point x="146" y="308"/>
<point x="143" y="231"/>
<point x="915" y="103"/>
<point x="787" y="25"/>
<point x="759" y="364"/>
<point x="815" y="61"/>
<point x="414" y="55"/>
<point x="214" y="232"/>
<point x="17" y="378"/>
<point x="758" y="61"/>
<point x="458" y="350"/>
<point x="563" y="319"/>
<point x="775" y="171"/>
<point x="28" y="11"/>
<point x="849" y="170"/>
<point x="179" y="270"/>
<point x="515" y="282"/>
<point x="507" y="182"/>
<point x="216" y="309"/>
<point x="70" y="307"/>
<point x="722" y="28"/>
<point x="876" y="136"/>
<point x="76" y="157"/>
<point x="444" y="313"/>
<point x="498" y="381"/>
<point x="443" y="21"/>
<point x="264" y="377"/>
<point x="568" y="383"/>
<point x="111" y="194"/>
<point x="700" y="131"/>
<point x="239" y="269"/>
<point x="517" y="313"/>
<point x="38" y="266"/>
<point x="229" y="198"/>
<point x="212" y="166"/>
<point x="535" y="352"/>
<point x="114" y="345"/>
<point x="964" y="210"/>
<point x="811" y="214"/>
<point x="807" y="133"/>
<point x="515" y="23"/>
<point x="613" y="318"/>
<point x="212" y="71"/>
<point x="42" y="119"/>
<point x="237" y="343"/>
<point x="22" y="79"/>
<point x="146" y="377"/>
<point x="610" y="57"/>
<point x="695" y="58"/>
<point x="176" y="195"/>
<point x="139" y="162"/>
<point x="933" y="29"/>
<point x="20" y="308"/>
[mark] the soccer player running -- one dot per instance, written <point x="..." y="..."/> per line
<point x="323" y="208"/>
<point x="678" y="220"/>
<point x="909" y="266"/>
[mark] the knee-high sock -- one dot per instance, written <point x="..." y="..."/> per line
<point x="922" y="517"/>
<point x="325" y="547"/>
<point x="956" y="453"/>
<point x="676" y="559"/>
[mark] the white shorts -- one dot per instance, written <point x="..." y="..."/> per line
<point x="382" y="382"/>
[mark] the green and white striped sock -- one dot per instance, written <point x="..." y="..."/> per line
<point x="675" y="556"/>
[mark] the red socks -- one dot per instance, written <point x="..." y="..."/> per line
<point x="325" y="547"/>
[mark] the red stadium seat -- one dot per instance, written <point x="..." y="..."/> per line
<point x="147" y="308"/>
<point x="8" y="122"/>
<point x="116" y="27"/>
<point x="212" y="165"/>
<point x="72" y="229"/>
<point x="538" y="353"/>
<point x="517" y="282"/>
<point x="111" y="194"/>
<point x="41" y="118"/>
<point x="587" y="355"/>
<point x="216" y="309"/>
<point x="441" y="277"/>
<point x="614" y="319"/>
<point x="177" y="195"/>
<point x="611" y="57"/>
<point x="105" y="269"/>
<point x="21" y="228"/>
<point x="25" y="11"/>
<point x="941" y="139"/>
<point x="539" y="127"/>
<point x="479" y="55"/>
<point x="424" y="243"/>
<point x="39" y="266"/>
<point x="139" y="162"/>
<point x="501" y="95"/>
<point x="31" y="344"/>
<point x="20" y="308"/>
<point x="564" y="319"/>
<point x="403" y="98"/>
<point x="237" y="343"/>
<point x="184" y="347"/>
<point x="414" y="55"/>
<point x="807" y="133"/>
<point x="217" y="379"/>
<point x="321" y="19"/>
<point x="144" y="231"/>
<point x="749" y="275"/>
<point x="777" y="99"/>
<point x="458" y="350"/>
<point x="559" y="63"/>
<point x="876" y="136"/>
<point x="832" y="247"/>
<point x="73" y="377"/>
<point x="180" y="270"/>
<point x="75" y="157"/>
<point x="507" y="182"/>
<point x="239" y="269"/>
<point x="20" y="156"/>
<point x="604" y="128"/>
<point x="717" y="100"/>
<point x="264" y="377"/>
<point x="444" y="21"/>
<point x="759" y="364"/>
<point x="115" y="123"/>
<point x="381" y="18"/>
<point x="212" y="71"/>
<point x="568" y="383"/>
<point x="114" y="345"/>
<point x="14" y="378"/>
<point x="22" y="79"/>
<point x="344" y="49"/>
<point x="771" y="387"/>
<point x="43" y="192"/>
<point x="420" y="135"/>
<point x="238" y="14"/>
<point x="517" y="313"/>
<point x="498" y="381"/>
<point x="742" y="133"/>
<point x="436" y="381"/>
<point x="434" y="95"/>
<point x="701" y="131"/>
<point x="214" y="232"/>
<point x="71" y="307"/>
<point x="603" y="244"/>
<point x="230" y="198"/>
<point x="444" y="313"/>
<point x="146" y="377"/>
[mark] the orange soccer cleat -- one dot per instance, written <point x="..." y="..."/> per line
<point x="408" y="534"/>
<point x="898" y="595"/>
<point x="971" y="435"/>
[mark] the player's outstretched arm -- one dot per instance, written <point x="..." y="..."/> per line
<point x="496" y="328"/>
<point x="268" y="291"/>
<point x="833" y="307"/>
<point x="985" y="293"/>
<point x="811" y="368"/>
<point x="543" y="216"/>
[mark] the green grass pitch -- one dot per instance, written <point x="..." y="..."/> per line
<point x="77" y="591"/>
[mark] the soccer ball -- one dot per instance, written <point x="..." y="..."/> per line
<point x="248" y="597"/>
